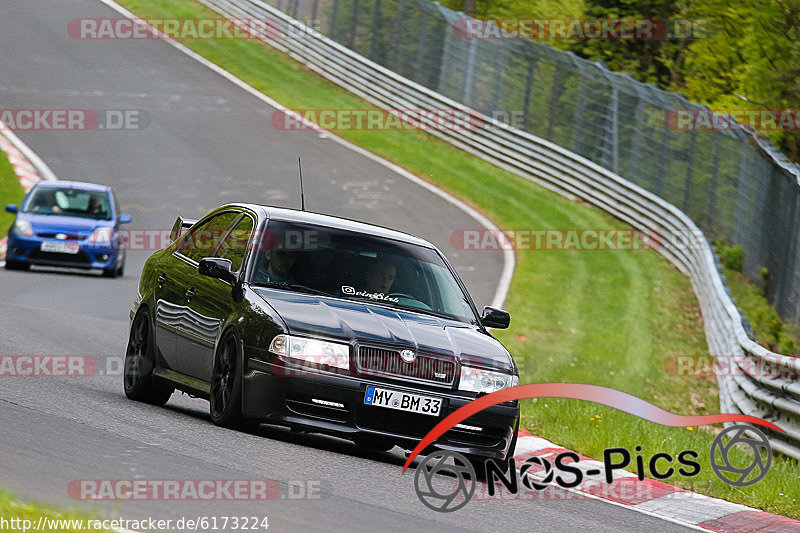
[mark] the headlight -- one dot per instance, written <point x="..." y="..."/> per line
<point x="312" y="350"/>
<point x="479" y="380"/>
<point x="22" y="227"/>
<point x="101" y="235"/>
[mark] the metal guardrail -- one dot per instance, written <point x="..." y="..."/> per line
<point x="774" y="398"/>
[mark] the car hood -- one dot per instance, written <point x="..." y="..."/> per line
<point x="369" y="324"/>
<point x="55" y="223"/>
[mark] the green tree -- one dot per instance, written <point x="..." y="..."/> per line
<point x="750" y="60"/>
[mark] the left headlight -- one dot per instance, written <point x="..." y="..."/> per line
<point x="314" y="351"/>
<point x="22" y="227"/>
<point x="480" y="380"/>
<point x="101" y="235"/>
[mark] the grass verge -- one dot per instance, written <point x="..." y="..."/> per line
<point x="11" y="192"/>
<point x="606" y="317"/>
<point x="29" y="516"/>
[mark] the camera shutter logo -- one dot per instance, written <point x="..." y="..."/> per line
<point x="547" y="474"/>
<point x="436" y="463"/>
<point x="720" y="461"/>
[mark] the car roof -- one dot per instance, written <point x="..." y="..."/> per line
<point x="293" y="215"/>
<point x="80" y="185"/>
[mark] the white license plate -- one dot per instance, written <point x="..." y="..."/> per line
<point x="60" y="247"/>
<point x="402" y="401"/>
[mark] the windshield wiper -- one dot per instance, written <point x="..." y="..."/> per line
<point x="297" y="287"/>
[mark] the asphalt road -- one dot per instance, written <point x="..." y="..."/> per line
<point x="207" y="143"/>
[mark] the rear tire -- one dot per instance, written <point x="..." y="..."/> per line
<point x="225" y="403"/>
<point x="17" y="265"/>
<point x="140" y="362"/>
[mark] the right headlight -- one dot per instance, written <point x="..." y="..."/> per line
<point x="480" y="380"/>
<point x="22" y="227"/>
<point x="314" y="351"/>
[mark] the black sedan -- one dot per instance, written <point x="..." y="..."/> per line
<point x="321" y="324"/>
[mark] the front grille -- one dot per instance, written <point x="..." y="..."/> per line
<point x="79" y="259"/>
<point x="69" y="237"/>
<point x="383" y="362"/>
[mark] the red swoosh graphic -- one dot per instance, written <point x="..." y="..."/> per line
<point x="579" y="391"/>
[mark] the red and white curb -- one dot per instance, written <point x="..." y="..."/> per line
<point x="659" y="499"/>
<point x="25" y="163"/>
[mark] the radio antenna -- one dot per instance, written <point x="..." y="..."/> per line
<point x="302" y="194"/>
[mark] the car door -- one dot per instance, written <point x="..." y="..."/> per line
<point x="173" y="275"/>
<point x="208" y="300"/>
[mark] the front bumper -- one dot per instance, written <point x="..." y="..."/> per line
<point x="90" y="255"/>
<point x="274" y="398"/>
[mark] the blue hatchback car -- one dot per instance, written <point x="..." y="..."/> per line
<point x="67" y="224"/>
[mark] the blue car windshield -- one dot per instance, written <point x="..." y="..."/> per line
<point x="68" y="202"/>
<point x="357" y="266"/>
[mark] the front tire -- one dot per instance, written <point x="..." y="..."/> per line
<point x="226" y="385"/>
<point x="140" y="362"/>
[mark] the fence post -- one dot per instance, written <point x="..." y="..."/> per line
<point x="353" y="26"/>
<point x="469" y="74"/>
<point x="687" y="186"/>
<point x="334" y="11"/>
<point x="423" y="35"/>
<point x="636" y="142"/>
<point x="741" y="195"/>
<point x="712" y="192"/>
<point x="498" y="78"/>
<point x="314" y="8"/>
<point x="662" y="158"/>
<point x="580" y="110"/>
<point x="376" y="22"/>
<point x="532" y="61"/>
<point x="552" y="103"/>
<point x="615" y="128"/>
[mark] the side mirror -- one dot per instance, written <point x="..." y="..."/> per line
<point x="495" y="318"/>
<point x="124" y="219"/>
<point x="216" y="267"/>
<point x="11" y="208"/>
<point x="181" y="224"/>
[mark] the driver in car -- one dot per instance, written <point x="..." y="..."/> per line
<point x="380" y="276"/>
<point x="276" y="266"/>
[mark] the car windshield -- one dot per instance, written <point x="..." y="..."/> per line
<point x="68" y="202"/>
<point x="357" y="266"/>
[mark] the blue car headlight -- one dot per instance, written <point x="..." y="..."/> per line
<point x="22" y="227"/>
